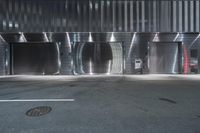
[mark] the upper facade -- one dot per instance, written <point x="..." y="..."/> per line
<point x="99" y="15"/>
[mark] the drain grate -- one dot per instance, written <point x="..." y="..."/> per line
<point x="38" y="111"/>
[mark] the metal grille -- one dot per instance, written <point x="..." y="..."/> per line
<point x="100" y="15"/>
<point x="38" y="111"/>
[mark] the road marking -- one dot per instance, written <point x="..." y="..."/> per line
<point x="38" y="100"/>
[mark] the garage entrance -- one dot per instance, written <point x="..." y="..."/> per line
<point x="165" y="57"/>
<point x="34" y="58"/>
<point x="98" y="58"/>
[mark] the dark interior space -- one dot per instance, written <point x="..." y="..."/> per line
<point x="165" y="57"/>
<point x="34" y="58"/>
<point x="96" y="57"/>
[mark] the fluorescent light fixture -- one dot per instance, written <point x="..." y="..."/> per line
<point x="132" y="42"/>
<point x="156" y="39"/>
<point x="176" y="37"/>
<point x="45" y="37"/>
<point x="22" y="37"/>
<point x="112" y="38"/>
<point x="69" y="42"/>
<point x="2" y="38"/>
<point x="90" y="38"/>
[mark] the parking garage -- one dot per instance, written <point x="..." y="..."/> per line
<point x="99" y="66"/>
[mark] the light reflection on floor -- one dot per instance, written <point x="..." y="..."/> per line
<point x="102" y="77"/>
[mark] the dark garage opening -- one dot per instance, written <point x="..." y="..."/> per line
<point x="97" y="56"/>
<point x="165" y="57"/>
<point x="34" y="58"/>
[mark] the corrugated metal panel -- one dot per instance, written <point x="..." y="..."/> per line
<point x="197" y="16"/>
<point x="99" y="15"/>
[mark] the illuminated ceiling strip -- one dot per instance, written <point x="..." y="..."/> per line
<point x="132" y="43"/>
<point x="112" y="38"/>
<point x="22" y="37"/>
<point x="2" y="38"/>
<point x="45" y="37"/>
<point x="156" y="39"/>
<point x="69" y="42"/>
<point x="176" y="37"/>
<point x="90" y="38"/>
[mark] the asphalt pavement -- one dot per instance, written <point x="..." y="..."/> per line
<point x="100" y="104"/>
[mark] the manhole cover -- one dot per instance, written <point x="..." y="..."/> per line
<point x="38" y="111"/>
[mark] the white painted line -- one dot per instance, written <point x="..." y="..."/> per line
<point x="38" y="100"/>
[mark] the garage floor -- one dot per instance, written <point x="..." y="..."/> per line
<point x="101" y="104"/>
